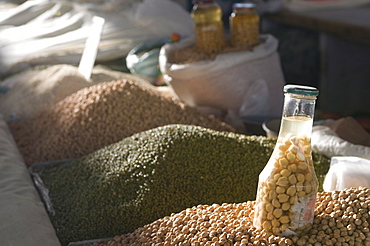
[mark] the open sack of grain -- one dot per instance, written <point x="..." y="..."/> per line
<point x="245" y="83"/>
<point x="26" y="94"/>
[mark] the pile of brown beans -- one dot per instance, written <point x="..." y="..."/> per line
<point x="100" y="115"/>
<point x="341" y="218"/>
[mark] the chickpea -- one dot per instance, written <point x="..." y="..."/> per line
<point x="285" y="206"/>
<point x="283" y="162"/>
<point x="283" y="198"/>
<point x="292" y="179"/>
<point x="280" y="190"/>
<point x="290" y="156"/>
<point x="285" y="172"/>
<point x="277" y="212"/>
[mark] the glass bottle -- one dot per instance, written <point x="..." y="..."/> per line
<point x="244" y="25"/>
<point x="209" y="27"/>
<point x="287" y="186"/>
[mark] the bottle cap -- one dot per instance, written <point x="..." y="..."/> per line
<point x="301" y="90"/>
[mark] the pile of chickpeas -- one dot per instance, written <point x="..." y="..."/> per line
<point x="100" y="115"/>
<point x="287" y="188"/>
<point x="340" y="218"/>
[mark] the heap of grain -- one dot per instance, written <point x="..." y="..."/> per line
<point x="26" y="94"/>
<point x="150" y="175"/>
<point x="341" y="218"/>
<point x="100" y="115"/>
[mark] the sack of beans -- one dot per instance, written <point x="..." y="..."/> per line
<point x="245" y="81"/>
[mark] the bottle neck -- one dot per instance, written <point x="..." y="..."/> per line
<point x="298" y="114"/>
<point x="299" y="106"/>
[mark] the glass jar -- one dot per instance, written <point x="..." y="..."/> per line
<point x="209" y="27"/>
<point x="244" y="25"/>
<point x="287" y="186"/>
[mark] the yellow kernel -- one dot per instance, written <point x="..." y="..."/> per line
<point x="301" y="193"/>
<point x="283" y="198"/>
<point x="308" y="177"/>
<point x="278" y="212"/>
<point x="285" y="172"/>
<point x="280" y="190"/>
<point x="270" y="216"/>
<point x="272" y="194"/>
<point x="282" y="181"/>
<point x="271" y="184"/>
<point x="269" y="207"/>
<point x="283" y="162"/>
<point x="292" y="179"/>
<point x="276" y="203"/>
<point x="266" y="225"/>
<point x="301" y="177"/>
<point x="277" y="176"/>
<point x="302" y="165"/>
<point x="293" y="149"/>
<point x="290" y="157"/>
<point x="285" y="206"/>
<point x="275" y="223"/>
<point x="276" y="230"/>
<point x="284" y="219"/>
<point x="292" y="167"/>
<point x="291" y="191"/>
<point x="282" y="147"/>
<point x="308" y="188"/>
<point x="299" y="186"/>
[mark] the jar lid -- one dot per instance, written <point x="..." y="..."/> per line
<point x="244" y="5"/>
<point x="301" y="90"/>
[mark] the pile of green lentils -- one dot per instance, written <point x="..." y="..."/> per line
<point x="152" y="174"/>
<point x="341" y="218"/>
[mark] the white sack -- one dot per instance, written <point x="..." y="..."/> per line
<point x="248" y="83"/>
<point x="325" y="141"/>
<point x="24" y="220"/>
<point x="346" y="172"/>
<point x="55" y="32"/>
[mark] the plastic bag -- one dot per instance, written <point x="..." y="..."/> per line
<point x="247" y="83"/>
<point x="325" y="141"/>
<point x="54" y="32"/>
<point x="143" y="59"/>
<point x="346" y="172"/>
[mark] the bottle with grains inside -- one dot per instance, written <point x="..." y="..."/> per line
<point x="287" y="186"/>
<point x="208" y="25"/>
